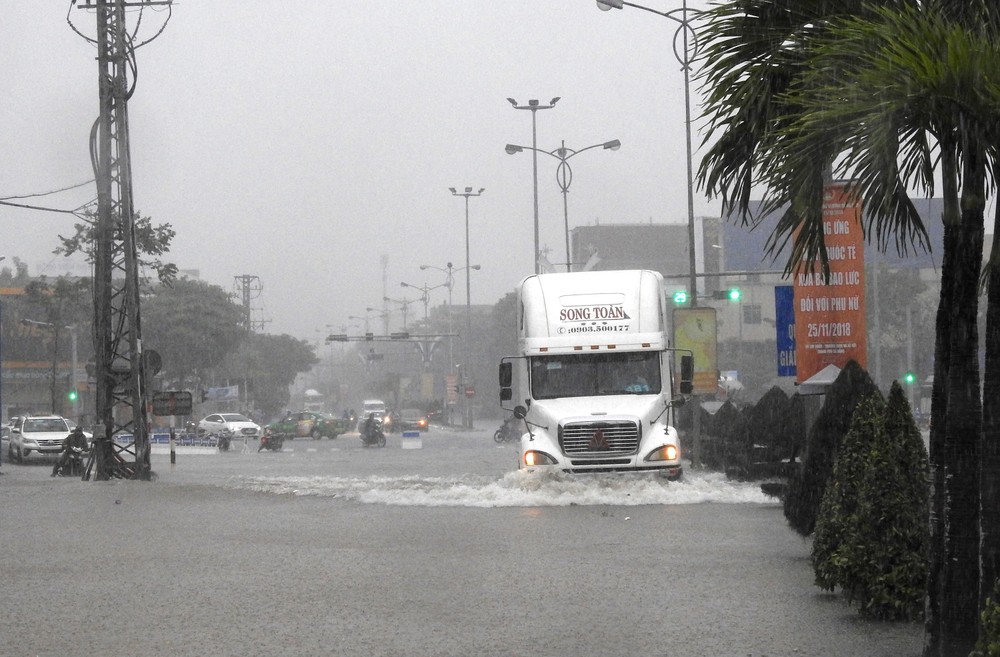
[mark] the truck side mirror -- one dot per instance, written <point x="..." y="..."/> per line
<point x="506" y="379"/>
<point x="520" y="412"/>
<point x="687" y="374"/>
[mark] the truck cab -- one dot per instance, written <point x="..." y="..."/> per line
<point x="593" y="380"/>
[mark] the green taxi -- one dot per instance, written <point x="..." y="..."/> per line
<point x="310" y="424"/>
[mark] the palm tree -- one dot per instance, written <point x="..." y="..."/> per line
<point x="881" y="96"/>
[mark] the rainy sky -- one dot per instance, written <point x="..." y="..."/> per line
<point x="305" y="143"/>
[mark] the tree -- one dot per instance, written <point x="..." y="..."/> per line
<point x="153" y="241"/>
<point x="268" y="365"/>
<point x="882" y="95"/>
<point x="62" y="304"/>
<point x="193" y="325"/>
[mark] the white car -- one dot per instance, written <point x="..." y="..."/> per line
<point x="239" y="425"/>
<point x="42" y="435"/>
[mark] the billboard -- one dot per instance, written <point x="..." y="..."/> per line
<point x="784" y="329"/>
<point x="830" y="315"/>
<point x="696" y="330"/>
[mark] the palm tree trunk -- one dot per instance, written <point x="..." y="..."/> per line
<point x="939" y="411"/>
<point x="989" y="466"/>
<point x="963" y="430"/>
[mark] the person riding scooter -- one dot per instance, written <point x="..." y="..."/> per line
<point x="371" y="432"/>
<point x="74" y="441"/>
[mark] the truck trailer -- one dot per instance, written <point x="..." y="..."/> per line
<point x="593" y="380"/>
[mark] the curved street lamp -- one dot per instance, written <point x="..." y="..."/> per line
<point x="564" y="175"/>
<point x="688" y="42"/>
<point x="533" y="106"/>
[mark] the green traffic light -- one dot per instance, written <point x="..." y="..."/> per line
<point x="734" y="294"/>
<point x="909" y="378"/>
<point x="680" y="297"/>
<point x="72" y="395"/>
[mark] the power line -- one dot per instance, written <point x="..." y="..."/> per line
<point x="54" y="191"/>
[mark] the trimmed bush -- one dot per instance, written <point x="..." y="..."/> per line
<point x="872" y="533"/>
<point x="731" y="428"/>
<point x="837" y="523"/>
<point x="806" y="486"/>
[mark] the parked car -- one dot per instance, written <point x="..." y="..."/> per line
<point x="41" y="435"/>
<point x="240" y="425"/>
<point x="310" y="423"/>
<point x="410" y="419"/>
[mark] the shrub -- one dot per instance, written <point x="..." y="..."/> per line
<point x="806" y="486"/>
<point x="731" y="428"/>
<point x="872" y="533"/>
<point x="837" y="524"/>
<point x="988" y="644"/>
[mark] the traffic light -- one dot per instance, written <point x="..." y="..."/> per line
<point x="909" y="378"/>
<point x="733" y="294"/>
<point x="72" y="395"/>
<point x="680" y="297"/>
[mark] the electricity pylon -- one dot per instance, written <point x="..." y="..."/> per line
<point x="121" y="367"/>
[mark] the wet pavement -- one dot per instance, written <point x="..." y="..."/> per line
<point x="438" y="549"/>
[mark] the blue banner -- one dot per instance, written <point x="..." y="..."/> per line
<point x="784" y="327"/>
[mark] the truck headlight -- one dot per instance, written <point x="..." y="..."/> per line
<point x="664" y="453"/>
<point x="534" y="457"/>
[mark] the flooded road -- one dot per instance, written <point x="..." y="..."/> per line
<point x="437" y="549"/>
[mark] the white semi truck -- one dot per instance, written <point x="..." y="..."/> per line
<point x="593" y="380"/>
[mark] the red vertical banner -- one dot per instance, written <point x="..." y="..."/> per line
<point x="830" y="324"/>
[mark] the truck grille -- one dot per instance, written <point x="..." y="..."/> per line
<point x="599" y="439"/>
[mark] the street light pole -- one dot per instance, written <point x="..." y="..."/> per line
<point x="564" y="175"/>
<point x="468" y="299"/>
<point x="425" y="295"/>
<point x="682" y="16"/>
<point x="449" y="282"/>
<point x="404" y="305"/>
<point x="533" y="106"/>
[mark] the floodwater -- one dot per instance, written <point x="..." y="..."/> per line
<point x="432" y="547"/>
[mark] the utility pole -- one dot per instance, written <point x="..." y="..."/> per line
<point x="248" y="287"/>
<point x="120" y="368"/>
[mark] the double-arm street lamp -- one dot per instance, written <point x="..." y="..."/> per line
<point x="404" y="306"/>
<point x="449" y="271"/>
<point x="425" y="295"/>
<point x="685" y="41"/>
<point x="564" y="175"/>
<point x="468" y="297"/>
<point x="533" y="106"/>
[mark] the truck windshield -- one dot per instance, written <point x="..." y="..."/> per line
<point x="590" y="375"/>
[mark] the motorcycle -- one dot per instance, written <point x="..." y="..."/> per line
<point x="271" y="440"/>
<point x="373" y="437"/>
<point x="72" y="467"/>
<point x="508" y="431"/>
<point x="224" y="440"/>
